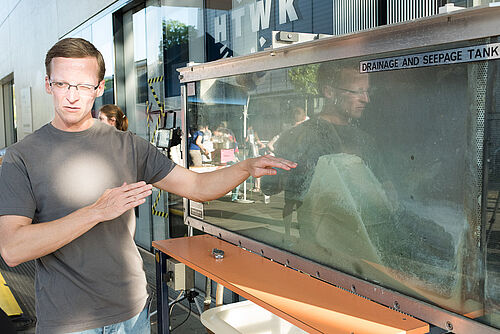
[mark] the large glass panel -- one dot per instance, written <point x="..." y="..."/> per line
<point x="102" y="38"/>
<point x="136" y="68"/>
<point x="389" y="182"/>
<point x="136" y="87"/>
<point x="100" y="33"/>
<point x="183" y="42"/>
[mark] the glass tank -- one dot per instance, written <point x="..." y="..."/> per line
<point x="398" y="174"/>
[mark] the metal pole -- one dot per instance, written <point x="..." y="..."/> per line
<point x="245" y="116"/>
<point x="162" y="293"/>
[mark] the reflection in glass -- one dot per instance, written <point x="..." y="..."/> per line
<point x="102" y="38"/>
<point x="182" y="43"/>
<point x="139" y="22"/>
<point x="100" y="33"/>
<point x="389" y="178"/>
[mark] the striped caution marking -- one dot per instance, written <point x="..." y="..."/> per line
<point x="155" y="80"/>
<point x="162" y="114"/>
<point x="157" y="126"/>
<point x="151" y="82"/>
<point x="7" y="301"/>
<point x="153" y="208"/>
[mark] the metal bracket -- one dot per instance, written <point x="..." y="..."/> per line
<point x="285" y="38"/>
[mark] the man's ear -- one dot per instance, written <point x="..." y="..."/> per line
<point x="47" y="85"/>
<point x="100" y="89"/>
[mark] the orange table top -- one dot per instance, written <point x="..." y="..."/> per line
<point x="308" y="303"/>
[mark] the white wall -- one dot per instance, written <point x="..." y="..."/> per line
<point x="28" y="28"/>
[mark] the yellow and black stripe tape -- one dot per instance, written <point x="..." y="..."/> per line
<point x="155" y="96"/>
<point x="157" y="126"/>
<point x="147" y="112"/>
<point x="153" y="208"/>
<point x="155" y="80"/>
<point x="8" y="302"/>
<point x="162" y="114"/>
<point x="151" y="82"/>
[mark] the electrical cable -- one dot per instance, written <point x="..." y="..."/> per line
<point x="189" y="313"/>
<point x="176" y="301"/>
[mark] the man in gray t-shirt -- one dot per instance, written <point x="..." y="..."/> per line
<point x="66" y="200"/>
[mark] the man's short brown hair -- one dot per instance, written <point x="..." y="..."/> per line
<point x="75" y="48"/>
<point x="333" y="73"/>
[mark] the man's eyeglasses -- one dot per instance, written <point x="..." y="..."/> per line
<point x="355" y="92"/>
<point x="63" y="87"/>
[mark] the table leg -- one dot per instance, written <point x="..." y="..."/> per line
<point x="162" y="293"/>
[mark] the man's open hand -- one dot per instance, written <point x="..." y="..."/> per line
<point x="265" y="165"/>
<point x="114" y="202"/>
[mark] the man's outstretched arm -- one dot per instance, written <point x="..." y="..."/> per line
<point x="22" y="241"/>
<point x="209" y="186"/>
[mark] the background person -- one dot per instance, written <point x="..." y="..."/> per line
<point x="79" y="226"/>
<point x="255" y="145"/>
<point x="226" y="137"/>
<point x="114" y="116"/>
<point x="208" y="144"/>
<point x="299" y="116"/>
<point x="196" y="148"/>
<point x="291" y="203"/>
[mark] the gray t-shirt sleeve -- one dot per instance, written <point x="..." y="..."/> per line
<point x="16" y="195"/>
<point x="152" y="165"/>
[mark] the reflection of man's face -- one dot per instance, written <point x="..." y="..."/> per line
<point x="352" y="93"/>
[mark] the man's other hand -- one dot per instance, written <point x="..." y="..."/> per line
<point x="114" y="202"/>
<point x="265" y="165"/>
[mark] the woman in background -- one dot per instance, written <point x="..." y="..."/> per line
<point x="114" y="116"/>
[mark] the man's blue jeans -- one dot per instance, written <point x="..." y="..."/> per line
<point x="137" y="325"/>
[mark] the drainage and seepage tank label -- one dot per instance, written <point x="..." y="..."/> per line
<point x="443" y="57"/>
<point x="196" y="209"/>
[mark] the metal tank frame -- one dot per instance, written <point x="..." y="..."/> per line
<point x="470" y="24"/>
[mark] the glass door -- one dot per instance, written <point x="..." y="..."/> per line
<point x="141" y="101"/>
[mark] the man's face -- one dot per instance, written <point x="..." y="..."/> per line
<point x="352" y="94"/>
<point x="73" y="107"/>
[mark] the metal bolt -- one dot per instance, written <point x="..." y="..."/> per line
<point x="396" y="305"/>
<point x="449" y="326"/>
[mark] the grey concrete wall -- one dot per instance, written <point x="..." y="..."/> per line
<point x="28" y="28"/>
